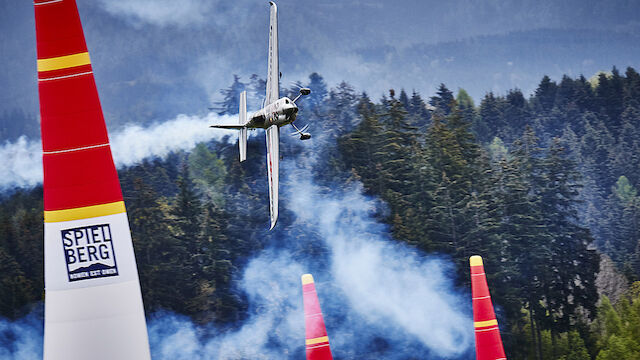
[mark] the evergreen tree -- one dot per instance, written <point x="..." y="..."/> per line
<point x="611" y="99"/>
<point x="577" y="349"/>
<point x="208" y="172"/>
<point x="360" y="149"/>
<point x="318" y="92"/>
<point x="632" y="88"/>
<point x="466" y="107"/>
<point x="419" y="116"/>
<point x="522" y="231"/>
<point x="626" y="152"/>
<point x="443" y="101"/>
<point x="404" y="99"/>
<point x="160" y="256"/>
<point x="231" y="98"/>
<point x="257" y="90"/>
<point x="457" y="173"/>
<point x="565" y="93"/>
<point x="490" y="119"/>
<point x="584" y="95"/>
<point x="340" y="119"/>
<point x="545" y="94"/>
<point x="15" y="287"/>
<point x="573" y="267"/>
<point x="596" y="146"/>
<point x="515" y="116"/>
<point x="398" y="139"/>
<point x="618" y="328"/>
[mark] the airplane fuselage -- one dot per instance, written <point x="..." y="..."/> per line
<point x="281" y="112"/>
<point x="277" y="112"/>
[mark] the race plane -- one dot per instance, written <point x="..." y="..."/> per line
<point x="276" y="112"/>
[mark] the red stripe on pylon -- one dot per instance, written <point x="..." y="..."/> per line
<point x="58" y="29"/>
<point x="78" y="165"/>
<point x="317" y="342"/>
<point x="488" y="340"/>
<point x="80" y="178"/>
<point x="71" y="114"/>
<point x="64" y="73"/>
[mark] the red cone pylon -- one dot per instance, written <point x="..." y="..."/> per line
<point x="93" y="305"/>
<point x="488" y="341"/>
<point x="317" y="341"/>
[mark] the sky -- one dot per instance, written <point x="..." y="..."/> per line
<point x="156" y="59"/>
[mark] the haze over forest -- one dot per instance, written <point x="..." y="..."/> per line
<point x="160" y="58"/>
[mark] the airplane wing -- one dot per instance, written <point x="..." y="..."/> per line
<point x="228" y="126"/>
<point x="273" y="75"/>
<point x="273" y="161"/>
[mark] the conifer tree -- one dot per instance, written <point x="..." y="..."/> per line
<point x="626" y="153"/>
<point x="457" y="172"/>
<point x="632" y="88"/>
<point x="404" y="99"/>
<point x="419" y="116"/>
<point x="467" y="108"/>
<point x="398" y="139"/>
<point x="522" y="230"/>
<point x="161" y="257"/>
<point x="443" y="101"/>
<point x="584" y="95"/>
<point x="318" y="94"/>
<point x="231" y="98"/>
<point x="15" y="287"/>
<point x="571" y="281"/>
<point x="490" y="121"/>
<point x="361" y="148"/>
<point x="257" y="89"/>
<point x="515" y="116"/>
<point x="545" y="94"/>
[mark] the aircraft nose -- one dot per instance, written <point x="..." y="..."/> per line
<point x="293" y="109"/>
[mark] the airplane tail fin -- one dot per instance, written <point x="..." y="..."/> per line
<point x="242" y="138"/>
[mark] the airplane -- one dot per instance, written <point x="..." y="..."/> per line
<point x="276" y="112"/>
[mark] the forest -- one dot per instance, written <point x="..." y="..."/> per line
<point x="544" y="187"/>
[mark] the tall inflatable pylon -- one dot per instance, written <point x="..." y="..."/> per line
<point x="317" y="341"/>
<point x="93" y="304"/>
<point x="488" y="341"/>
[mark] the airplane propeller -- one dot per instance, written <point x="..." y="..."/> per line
<point x="303" y="135"/>
<point x="303" y="92"/>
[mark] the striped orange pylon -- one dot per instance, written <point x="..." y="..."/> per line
<point x="488" y="341"/>
<point x="93" y="304"/>
<point x="317" y="341"/>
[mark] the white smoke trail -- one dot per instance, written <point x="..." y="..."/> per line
<point x="21" y="339"/>
<point x="135" y="143"/>
<point x="276" y="325"/>
<point x="21" y="163"/>
<point x="378" y="289"/>
<point x="385" y="282"/>
<point x="384" y="290"/>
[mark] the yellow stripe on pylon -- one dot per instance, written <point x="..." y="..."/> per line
<point x="485" y="323"/>
<point x="475" y="260"/>
<point x="63" y="62"/>
<point x="307" y="279"/>
<point x="317" y="340"/>
<point x="86" y="212"/>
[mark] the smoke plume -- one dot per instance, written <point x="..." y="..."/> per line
<point x="21" y="163"/>
<point x="381" y="299"/>
<point x="21" y="339"/>
<point x="376" y="293"/>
